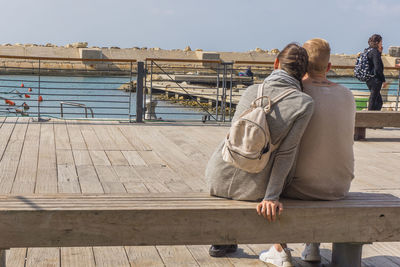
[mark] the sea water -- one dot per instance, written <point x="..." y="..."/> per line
<point x="100" y="94"/>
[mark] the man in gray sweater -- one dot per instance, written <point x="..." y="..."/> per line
<point x="325" y="162"/>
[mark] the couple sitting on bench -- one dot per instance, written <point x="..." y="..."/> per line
<point x="312" y="128"/>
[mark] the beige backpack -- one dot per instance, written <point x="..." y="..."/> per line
<point x="248" y="144"/>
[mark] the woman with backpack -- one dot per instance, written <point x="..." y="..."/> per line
<point x="287" y="120"/>
<point x="376" y="70"/>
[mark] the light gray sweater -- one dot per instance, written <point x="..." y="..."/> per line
<point x="287" y="122"/>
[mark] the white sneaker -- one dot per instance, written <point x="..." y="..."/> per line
<point x="280" y="259"/>
<point x="311" y="253"/>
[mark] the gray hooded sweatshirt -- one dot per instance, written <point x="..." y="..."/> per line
<point x="287" y="123"/>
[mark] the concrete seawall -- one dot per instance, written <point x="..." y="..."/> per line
<point x="14" y="65"/>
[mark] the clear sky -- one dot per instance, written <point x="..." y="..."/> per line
<point x="214" y="25"/>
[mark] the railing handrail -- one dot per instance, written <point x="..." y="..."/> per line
<point x="70" y="59"/>
<point x="253" y="62"/>
<point x="185" y="60"/>
<point x="250" y="62"/>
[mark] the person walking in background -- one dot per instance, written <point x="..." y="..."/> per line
<point x="376" y="69"/>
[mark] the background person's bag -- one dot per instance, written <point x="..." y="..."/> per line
<point x="248" y="144"/>
<point x="361" y="69"/>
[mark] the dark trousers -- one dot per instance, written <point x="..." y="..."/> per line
<point x="375" y="99"/>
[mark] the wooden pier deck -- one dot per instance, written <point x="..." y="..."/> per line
<point x="110" y="157"/>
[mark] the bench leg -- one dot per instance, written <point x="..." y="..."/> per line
<point x="359" y="133"/>
<point x="3" y="257"/>
<point x="346" y="254"/>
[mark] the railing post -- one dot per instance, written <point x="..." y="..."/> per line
<point x="139" y="92"/>
<point x="217" y="94"/>
<point x="398" y="93"/>
<point x="230" y="93"/>
<point x="38" y="102"/>
<point x="130" y="91"/>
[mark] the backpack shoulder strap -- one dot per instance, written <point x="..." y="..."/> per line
<point x="282" y="95"/>
<point x="260" y="94"/>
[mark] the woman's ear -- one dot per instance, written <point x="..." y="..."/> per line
<point x="276" y="64"/>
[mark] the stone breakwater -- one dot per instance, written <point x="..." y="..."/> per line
<point x="81" y="50"/>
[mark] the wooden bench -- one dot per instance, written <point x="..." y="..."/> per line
<point x="374" y="119"/>
<point x="195" y="218"/>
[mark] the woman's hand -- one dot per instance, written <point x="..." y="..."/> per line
<point x="268" y="209"/>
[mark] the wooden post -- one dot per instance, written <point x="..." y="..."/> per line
<point x="359" y="133"/>
<point x="346" y="254"/>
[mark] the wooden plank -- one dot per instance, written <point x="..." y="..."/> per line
<point x="109" y="180"/>
<point x="174" y="157"/>
<point x="16" y="257"/>
<point x="110" y="256"/>
<point x="157" y="174"/>
<point x="151" y="158"/>
<point x="377" y="119"/>
<point x="46" y="257"/>
<point x="134" y="158"/>
<point x="99" y="158"/>
<point x="135" y="187"/>
<point x="156" y="187"/>
<point x="9" y="162"/>
<point x="7" y="127"/>
<point x="176" y="256"/>
<point x="68" y="183"/>
<point x="25" y="178"/>
<point x="187" y="145"/>
<point x="134" y="136"/>
<point x="82" y="157"/>
<point x="102" y="134"/>
<point x="117" y="158"/>
<point x="46" y="181"/>
<point x="178" y="187"/>
<point x="88" y="180"/>
<point x="90" y="137"/>
<point x="200" y="254"/>
<point x="64" y="157"/>
<point x="372" y="257"/>
<point x="75" y="136"/>
<point x="111" y="220"/>
<point x="127" y="174"/>
<point x="77" y="257"/>
<point x="144" y="256"/>
<point x="244" y="256"/>
<point x="61" y="136"/>
<point x="121" y="141"/>
<point x="67" y="179"/>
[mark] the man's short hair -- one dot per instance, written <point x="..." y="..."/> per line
<point x="319" y="53"/>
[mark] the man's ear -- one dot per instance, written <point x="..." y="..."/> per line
<point x="276" y="64"/>
<point x="329" y="67"/>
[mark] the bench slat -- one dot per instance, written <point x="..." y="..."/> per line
<point x="43" y="221"/>
<point x="377" y="119"/>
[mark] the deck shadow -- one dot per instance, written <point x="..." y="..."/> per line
<point x="241" y="254"/>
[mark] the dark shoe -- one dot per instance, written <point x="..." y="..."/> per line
<point x="221" y="250"/>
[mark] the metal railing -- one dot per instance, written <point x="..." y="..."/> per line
<point x="67" y="87"/>
<point x="156" y="89"/>
<point x="75" y="105"/>
<point x="344" y="76"/>
<point x="204" y="88"/>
